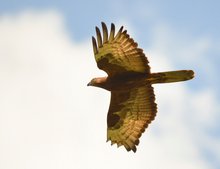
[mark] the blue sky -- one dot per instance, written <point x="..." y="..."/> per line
<point x="187" y="19"/>
<point x="192" y="17"/>
<point x="46" y="61"/>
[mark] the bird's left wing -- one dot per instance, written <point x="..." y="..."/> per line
<point x="118" y="54"/>
<point x="129" y="114"/>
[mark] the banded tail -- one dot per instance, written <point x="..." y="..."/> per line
<point x="171" y="76"/>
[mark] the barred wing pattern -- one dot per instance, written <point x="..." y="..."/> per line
<point x="129" y="114"/>
<point x="118" y="54"/>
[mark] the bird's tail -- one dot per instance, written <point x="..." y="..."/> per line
<point x="172" y="76"/>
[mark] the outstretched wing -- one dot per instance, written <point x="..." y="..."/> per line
<point x="118" y="54"/>
<point x="129" y="114"/>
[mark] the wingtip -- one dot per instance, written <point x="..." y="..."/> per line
<point x="103" y="24"/>
<point x="112" y="32"/>
<point x="134" y="149"/>
<point x="99" y="37"/>
<point x="95" y="49"/>
<point x="124" y="32"/>
<point x="121" y="28"/>
<point x="119" y="32"/>
<point x="105" y="32"/>
<point x="96" y="27"/>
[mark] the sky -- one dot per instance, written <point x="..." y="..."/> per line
<point x="50" y="119"/>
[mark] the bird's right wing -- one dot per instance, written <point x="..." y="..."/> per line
<point x="129" y="114"/>
<point x="118" y="54"/>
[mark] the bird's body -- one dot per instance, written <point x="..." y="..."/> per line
<point x="129" y="80"/>
<point x="122" y="82"/>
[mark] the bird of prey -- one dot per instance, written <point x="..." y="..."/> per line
<point x="132" y="106"/>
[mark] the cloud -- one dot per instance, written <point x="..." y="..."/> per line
<point x="50" y="119"/>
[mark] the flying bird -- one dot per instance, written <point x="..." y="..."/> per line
<point x="132" y="106"/>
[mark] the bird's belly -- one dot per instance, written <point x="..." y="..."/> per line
<point x="124" y="83"/>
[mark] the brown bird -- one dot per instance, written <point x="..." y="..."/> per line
<point x="129" y="80"/>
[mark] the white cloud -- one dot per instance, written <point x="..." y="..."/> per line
<point x="49" y="118"/>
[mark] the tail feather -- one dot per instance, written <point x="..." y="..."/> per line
<point x="172" y="76"/>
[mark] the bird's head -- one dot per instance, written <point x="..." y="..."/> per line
<point x="97" y="82"/>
